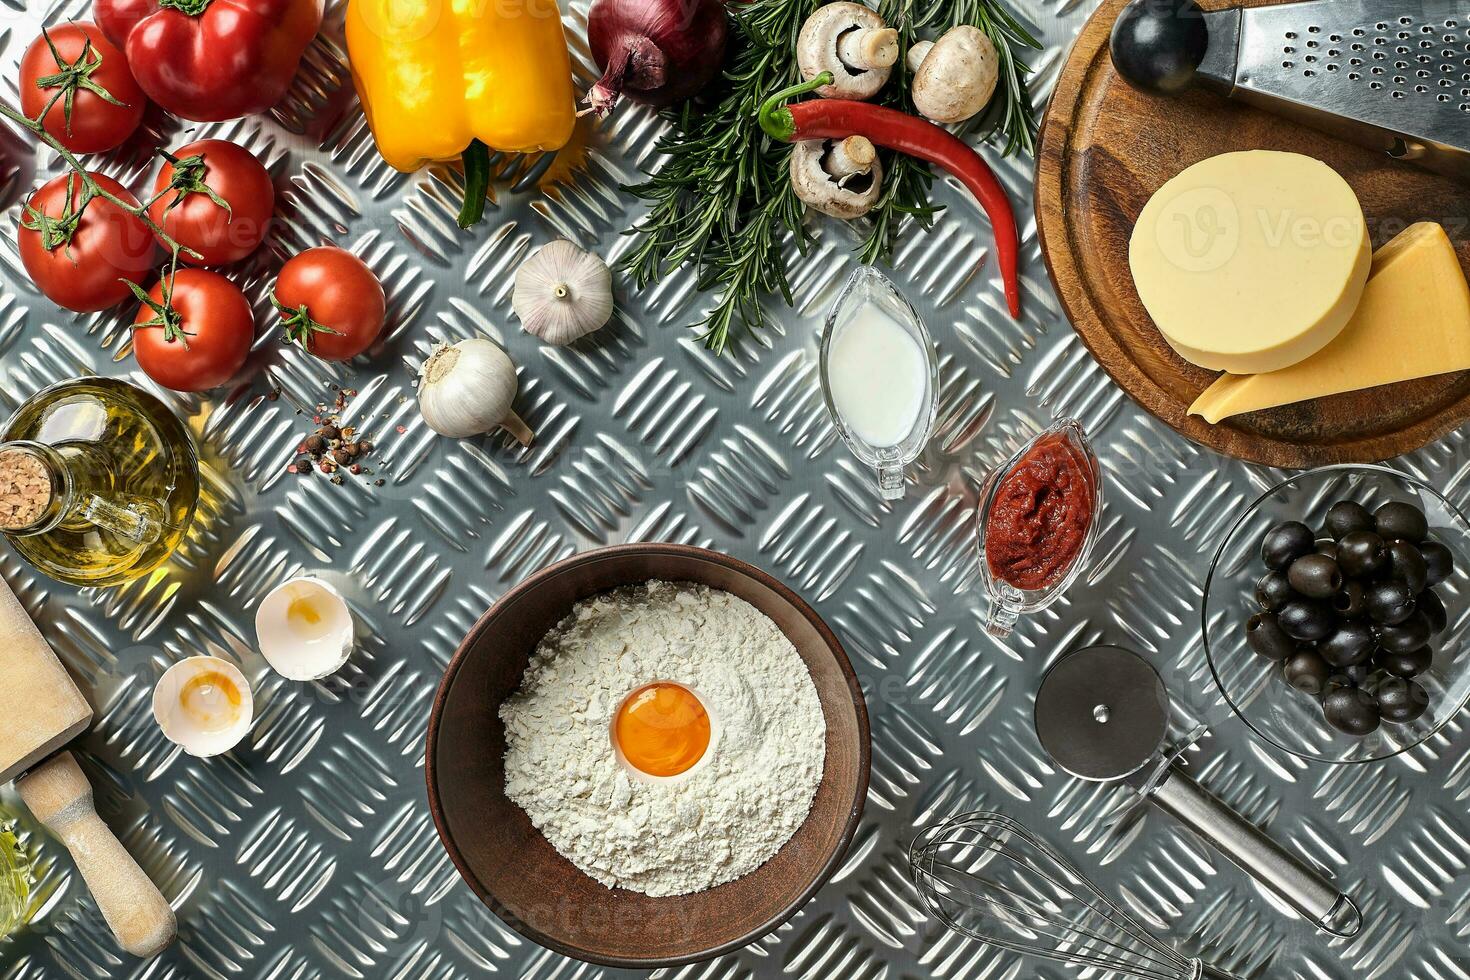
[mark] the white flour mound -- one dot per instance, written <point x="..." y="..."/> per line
<point x="725" y="817"/>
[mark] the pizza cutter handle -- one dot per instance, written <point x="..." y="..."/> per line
<point x="1258" y="855"/>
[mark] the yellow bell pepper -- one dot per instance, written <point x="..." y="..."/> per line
<point x="445" y="79"/>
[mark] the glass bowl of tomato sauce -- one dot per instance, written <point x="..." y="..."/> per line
<point x="1038" y="519"/>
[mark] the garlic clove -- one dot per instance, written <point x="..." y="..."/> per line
<point x="562" y="293"/>
<point x="467" y="388"/>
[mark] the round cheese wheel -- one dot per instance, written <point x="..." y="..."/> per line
<point x="1251" y="261"/>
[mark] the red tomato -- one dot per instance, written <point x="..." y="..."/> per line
<point x="209" y="60"/>
<point x="193" y="218"/>
<point x="109" y="245"/>
<point x="200" y="339"/>
<point x="82" y="57"/>
<point x="331" y="302"/>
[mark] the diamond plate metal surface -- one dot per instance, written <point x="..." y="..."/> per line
<point x="309" y="852"/>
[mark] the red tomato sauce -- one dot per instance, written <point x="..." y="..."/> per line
<point x="1042" y="512"/>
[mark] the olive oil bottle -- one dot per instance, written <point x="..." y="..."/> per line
<point x="98" y="481"/>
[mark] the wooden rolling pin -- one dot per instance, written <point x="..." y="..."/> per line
<point x="41" y="710"/>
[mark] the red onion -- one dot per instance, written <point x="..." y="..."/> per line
<point x="657" y="52"/>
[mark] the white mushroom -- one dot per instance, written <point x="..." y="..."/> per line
<point x="955" y="76"/>
<point x="840" y="178"/>
<point x="850" y="41"/>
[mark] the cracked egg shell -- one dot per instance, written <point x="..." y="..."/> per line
<point x="203" y="705"/>
<point x="304" y="629"/>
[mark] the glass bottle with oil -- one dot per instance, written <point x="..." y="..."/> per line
<point x="98" y="481"/>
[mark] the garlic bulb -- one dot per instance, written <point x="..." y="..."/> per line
<point x="562" y="293"/>
<point x="467" y="388"/>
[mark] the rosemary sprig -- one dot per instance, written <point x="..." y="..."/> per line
<point x="722" y="201"/>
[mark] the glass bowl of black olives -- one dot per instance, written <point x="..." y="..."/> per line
<point x="1334" y="613"/>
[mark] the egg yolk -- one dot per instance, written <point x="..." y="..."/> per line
<point x="662" y="729"/>
<point x="211" y="700"/>
<point x="305" y="618"/>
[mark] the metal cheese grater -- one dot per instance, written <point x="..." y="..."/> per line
<point x="1392" y="75"/>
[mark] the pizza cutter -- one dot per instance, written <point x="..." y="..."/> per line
<point x="1102" y="714"/>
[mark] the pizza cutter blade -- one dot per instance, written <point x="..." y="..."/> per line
<point x="1102" y="714"/>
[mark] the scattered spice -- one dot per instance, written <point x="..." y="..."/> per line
<point x="332" y="446"/>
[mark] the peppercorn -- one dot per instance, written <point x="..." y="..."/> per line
<point x="315" y="445"/>
<point x="364" y="447"/>
<point x="342" y="455"/>
<point x="302" y="464"/>
<point x="330" y="431"/>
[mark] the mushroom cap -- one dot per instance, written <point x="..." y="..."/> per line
<point x="957" y="76"/>
<point x="816" y="50"/>
<point x="820" y="190"/>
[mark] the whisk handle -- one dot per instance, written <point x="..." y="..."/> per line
<point x="1258" y="855"/>
<point x="1208" y="972"/>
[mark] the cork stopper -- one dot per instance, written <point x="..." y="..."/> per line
<point x="26" y="489"/>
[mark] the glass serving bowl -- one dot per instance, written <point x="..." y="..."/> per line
<point x="869" y="287"/>
<point x="1252" y="685"/>
<point x="1006" y="602"/>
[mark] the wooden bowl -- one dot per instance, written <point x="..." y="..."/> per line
<point x="515" y="870"/>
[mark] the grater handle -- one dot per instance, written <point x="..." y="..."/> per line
<point x="1166" y="48"/>
<point x="1257" y="854"/>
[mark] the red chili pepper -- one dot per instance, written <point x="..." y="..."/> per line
<point x="820" y="119"/>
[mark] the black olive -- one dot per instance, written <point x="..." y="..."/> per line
<point x="1351" y="643"/>
<point x="1400" y="520"/>
<point x="1315" y="576"/>
<point x="1347" y="516"/>
<point x="1306" y="671"/>
<point x="1351" y="710"/>
<point x="1357" y="675"/>
<point x="1429" y="603"/>
<point x="1410" y="664"/>
<point x="1406" y="564"/>
<point x="1411" y="634"/>
<point x="1273" y="591"/>
<point x="1285" y="543"/>
<point x="1303" y="619"/>
<point x="1388" y="601"/>
<point x="1360" y="554"/>
<point x="1328" y="547"/>
<point x="1401" y="701"/>
<point x="1439" y="561"/>
<point x="1266" y="637"/>
<point x="1349" y="601"/>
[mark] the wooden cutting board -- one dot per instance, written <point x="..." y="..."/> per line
<point x="1105" y="148"/>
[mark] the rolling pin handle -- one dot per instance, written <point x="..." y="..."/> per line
<point x="60" y="797"/>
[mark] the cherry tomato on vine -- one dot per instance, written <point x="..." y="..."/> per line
<point x="194" y="331"/>
<point x="81" y="260"/>
<point x="220" y="204"/>
<point x="331" y="303"/>
<point x="94" y="103"/>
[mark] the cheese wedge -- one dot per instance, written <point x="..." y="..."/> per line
<point x="1251" y="261"/>
<point x="1413" y="322"/>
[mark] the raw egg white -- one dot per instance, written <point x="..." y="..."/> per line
<point x="203" y="705"/>
<point x="304" y="629"/>
<point x="662" y="730"/>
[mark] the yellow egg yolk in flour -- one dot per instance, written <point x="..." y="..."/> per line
<point x="662" y="729"/>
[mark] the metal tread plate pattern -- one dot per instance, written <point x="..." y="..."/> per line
<point x="309" y="851"/>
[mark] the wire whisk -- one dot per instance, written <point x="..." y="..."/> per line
<point x="989" y="878"/>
